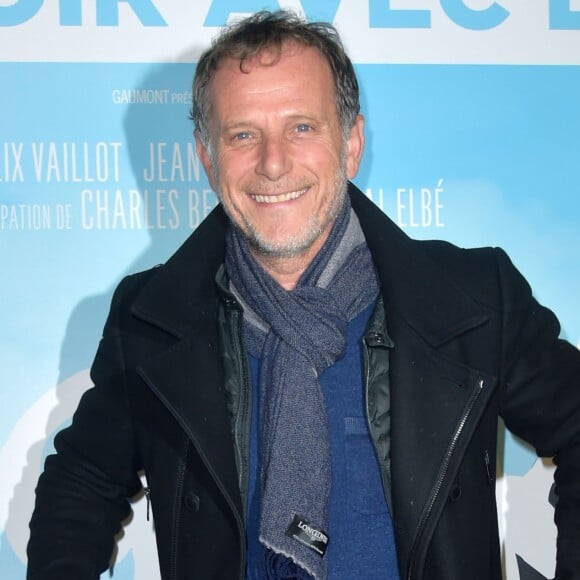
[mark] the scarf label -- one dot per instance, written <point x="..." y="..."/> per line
<point x="307" y="534"/>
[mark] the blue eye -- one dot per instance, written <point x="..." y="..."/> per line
<point x="303" y="128"/>
<point x="241" y="136"/>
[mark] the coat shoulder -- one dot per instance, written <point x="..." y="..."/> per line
<point x="487" y="274"/>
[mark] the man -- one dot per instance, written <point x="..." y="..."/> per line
<point x="318" y="397"/>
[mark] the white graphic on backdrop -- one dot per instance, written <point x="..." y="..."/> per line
<point x="527" y="524"/>
<point x="21" y="461"/>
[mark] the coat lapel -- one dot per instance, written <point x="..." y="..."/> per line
<point x="436" y="405"/>
<point x="188" y="376"/>
<point x="436" y="402"/>
<point x="412" y="284"/>
<point x="188" y="379"/>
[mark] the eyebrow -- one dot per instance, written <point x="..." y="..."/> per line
<point x="292" y="118"/>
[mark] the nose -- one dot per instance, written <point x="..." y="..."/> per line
<point x="274" y="159"/>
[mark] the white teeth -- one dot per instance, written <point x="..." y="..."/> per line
<point x="278" y="198"/>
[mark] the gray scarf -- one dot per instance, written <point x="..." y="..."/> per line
<point x="297" y="335"/>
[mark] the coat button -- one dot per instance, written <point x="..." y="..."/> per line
<point x="191" y="502"/>
<point x="455" y="493"/>
<point x="229" y="301"/>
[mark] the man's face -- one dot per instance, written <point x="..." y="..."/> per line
<point x="277" y="158"/>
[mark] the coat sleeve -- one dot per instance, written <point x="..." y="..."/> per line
<point x="540" y="401"/>
<point x="82" y="495"/>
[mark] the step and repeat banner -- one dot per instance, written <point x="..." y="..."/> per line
<point x="473" y="136"/>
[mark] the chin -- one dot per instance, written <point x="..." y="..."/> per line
<point x="287" y="247"/>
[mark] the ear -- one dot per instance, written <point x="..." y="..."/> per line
<point x="205" y="159"/>
<point x="354" y="147"/>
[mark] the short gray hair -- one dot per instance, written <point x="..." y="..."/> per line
<point x="272" y="30"/>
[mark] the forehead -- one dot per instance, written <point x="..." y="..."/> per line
<point x="292" y="68"/>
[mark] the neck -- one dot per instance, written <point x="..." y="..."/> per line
<point x="287" y="271"/>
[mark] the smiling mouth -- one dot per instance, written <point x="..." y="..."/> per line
<point x="279" y="198"/>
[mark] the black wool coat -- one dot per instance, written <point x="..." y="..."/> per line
<point x="471" y="344"/>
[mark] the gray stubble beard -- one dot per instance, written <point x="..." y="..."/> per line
<point x="275" y="250"/>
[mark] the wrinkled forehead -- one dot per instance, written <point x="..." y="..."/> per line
<point x="291" y="64"/>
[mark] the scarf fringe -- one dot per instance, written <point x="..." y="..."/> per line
<point x="280" y="567"/>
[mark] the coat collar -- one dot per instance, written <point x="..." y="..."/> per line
<point x="408" y="275"/>
<point x="181" y="295"/>
<point x="412" y="283"/>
